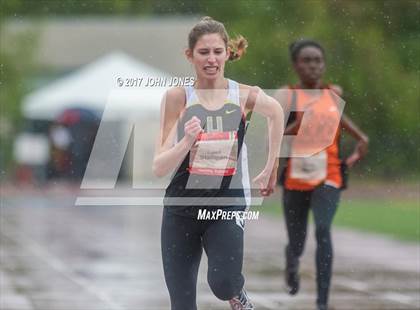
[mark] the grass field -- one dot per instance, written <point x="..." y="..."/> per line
<point x="399" y="220"/>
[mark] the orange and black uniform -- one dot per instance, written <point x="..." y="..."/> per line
<point x="313" y="182"/>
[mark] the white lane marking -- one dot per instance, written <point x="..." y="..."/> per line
<point x="363" y="287"/>
<point x="264" y="301"/>
<point x="61" y="268"/>
<point x="351" y="284"/>
<point x="400" y="298"/>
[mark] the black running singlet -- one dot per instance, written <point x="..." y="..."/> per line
<point x="215" y="171"/>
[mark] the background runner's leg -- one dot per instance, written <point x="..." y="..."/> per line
<point x="296" y="208"/>
<point x="324" y="202"/>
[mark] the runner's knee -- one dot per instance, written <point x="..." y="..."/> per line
<point x="323" y="234"/>
<point x="225" y="287"/>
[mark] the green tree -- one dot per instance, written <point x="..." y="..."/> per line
<point x="371" y="47"/>
<point x="15" y="67"/>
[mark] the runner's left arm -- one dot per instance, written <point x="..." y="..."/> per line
<point x="363" y="140"/>
<point x="268" y="107"/>
<point x="348" y="125"/>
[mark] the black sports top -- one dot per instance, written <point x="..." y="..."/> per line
<point x="214" y="173"/>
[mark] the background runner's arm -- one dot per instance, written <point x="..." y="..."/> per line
<point x="346" y="123"/>
<point x="168" y="155"/>
<point x="284" y="95"/>
<point x="293" y="127"/>
<point x="359" y="135"/>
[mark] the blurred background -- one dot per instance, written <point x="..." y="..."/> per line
<point x="59" y="61"/>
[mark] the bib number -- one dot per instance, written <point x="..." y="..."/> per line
<point x="313" y="168"/>
<point x="215" y="153"/>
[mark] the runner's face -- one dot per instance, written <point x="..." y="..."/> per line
<point x="209" y="56"/>
<point x="310" y="65"/>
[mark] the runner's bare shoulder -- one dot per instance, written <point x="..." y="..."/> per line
<point x="174" y="102"/>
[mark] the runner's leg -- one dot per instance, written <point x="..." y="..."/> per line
<point x="296" y="209"/>
<point x="181" y="255"/>
<point x="223" y="242"/>
<point x="324" y="202"/>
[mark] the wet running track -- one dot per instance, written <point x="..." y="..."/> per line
<point x="56" y="256"/>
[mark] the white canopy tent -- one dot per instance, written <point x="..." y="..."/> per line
<point x="95" y="85"/>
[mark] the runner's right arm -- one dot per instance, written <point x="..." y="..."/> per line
<point x="283" y="96"/>
<point x="168" y="154"/>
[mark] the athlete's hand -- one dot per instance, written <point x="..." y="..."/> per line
<point x="192" y="128"/>
<point x="359" y="152"/>
<point x="266" y="182"/>
<point x="362" y="147"/>
<point x="272" y="182"/>
<point x="352" y="159"/>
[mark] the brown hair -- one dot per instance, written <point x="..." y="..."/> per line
<point x="208" y="25"/>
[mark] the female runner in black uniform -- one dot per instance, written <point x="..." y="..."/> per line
<point x="201" y="137"/>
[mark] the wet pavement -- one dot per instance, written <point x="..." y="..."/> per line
<point x="55" y="255"/>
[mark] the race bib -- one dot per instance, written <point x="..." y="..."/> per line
<point x="313" y="168"/>
<point x="215" y="153"/>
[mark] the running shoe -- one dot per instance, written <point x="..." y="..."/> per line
<point x="242" y="302"/>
